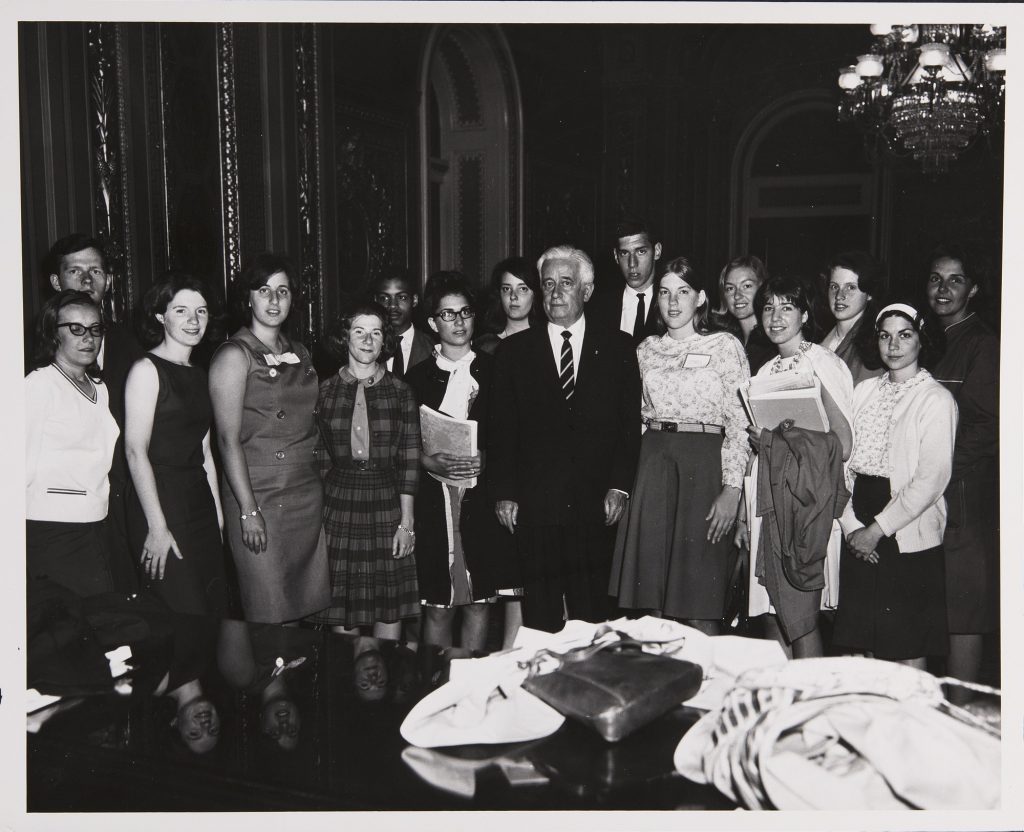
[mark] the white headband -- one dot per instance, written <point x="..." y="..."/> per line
<point x="905" y="308"/>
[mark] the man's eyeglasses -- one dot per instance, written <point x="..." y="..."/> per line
<point x="96" y="330"/>
<point x="450" y="314"/>
<point x="387" y="300"/>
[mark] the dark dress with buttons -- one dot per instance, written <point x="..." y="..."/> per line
<point x="279" y="436"/>
<point x="361" y="501"/>
<point x="182" y="417"/>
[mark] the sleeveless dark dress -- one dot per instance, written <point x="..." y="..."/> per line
<point x="183" y="414"/>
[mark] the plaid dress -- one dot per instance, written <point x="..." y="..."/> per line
<point x="361" y="508"/>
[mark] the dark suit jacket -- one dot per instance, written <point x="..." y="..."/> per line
<point x="121" y="350"/>
<point x="422" y="348"/>
<point x="558" y="459"/>
<point x="605" y="308"/>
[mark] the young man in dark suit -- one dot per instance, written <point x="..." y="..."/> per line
<point x="79" y="262"/>
<point x="397" y="293"/>
<point x="629" y="305"/>
<point x="565" y="437"/>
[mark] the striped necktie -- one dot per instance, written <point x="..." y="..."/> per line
<point x="565" y="367"/>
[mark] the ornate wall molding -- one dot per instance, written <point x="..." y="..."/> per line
<point x="470" y="231"/>
<point x="228" y="150"/>
<point x="106" y="112"/>
<point x="307" y="82"/>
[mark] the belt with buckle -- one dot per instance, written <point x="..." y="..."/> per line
<point x="685" y="427"/>
<point x="361" y="465"/>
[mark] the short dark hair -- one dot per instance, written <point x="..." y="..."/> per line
<point x="444" y="283"/>
<point x="336" y="338"/>
<point x="400" y="275"/>
<point x="69" y="245"/>
<point x="46" y="325"/>
<point x="928" y="328"/>
<point x="631" y="226"/>
<point x="258" y="270"/>
<point x="526" y="271"/>
<point x="151" y="331"/>
<point x="794" y="289"/>
<point x="682" y="267"/>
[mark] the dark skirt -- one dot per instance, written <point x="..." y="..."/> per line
<point x="663" y="559"/>
<point x="195" y="583"/>
<point x="895" y="609"/>
<point x="971" y="544"/>
<point x="74" y="555"/>
<point x="361" y="515"/>
<point x="289" y="580"/>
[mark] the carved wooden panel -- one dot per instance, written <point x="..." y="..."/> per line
<point x="371" y="180"/>
<point x="470" y="233"/>
<point x="563" y="208"/>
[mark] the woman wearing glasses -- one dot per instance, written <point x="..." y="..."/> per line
<point x="457" y="552"/>
<point x="69" y="444"/>
<point x="370" y="447"/>
<point x="174" y="512"/>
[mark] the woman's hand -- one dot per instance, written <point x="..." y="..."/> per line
<point x="403" y="543"/>
<point x="723" y="512"/>
<point x="254" y="532"/>
<point x="154" y="552"/>
<point x="754" y="435"/>
<point x="453" y="467"/>
<point x="863" y="542"/>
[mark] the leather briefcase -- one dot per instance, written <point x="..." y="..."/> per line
<point x="614" y="687"/>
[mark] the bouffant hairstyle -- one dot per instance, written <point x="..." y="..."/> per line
<point x="928" y="328"/>
<point x="794" y="289"/>
<point x="46" y="341"/>
<point x="682" y="267"/>
<point x="744" y="261"/>
<point x="444" y="283"/>
<point x="336" y="339"/>
<point x="519" y="267"/>
<point x="160" y="294"/>
<point x="258" y="270"/>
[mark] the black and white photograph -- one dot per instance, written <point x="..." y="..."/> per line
<point x="576" y="412"/>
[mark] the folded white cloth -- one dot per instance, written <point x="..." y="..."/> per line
<point x="277" y="359"/>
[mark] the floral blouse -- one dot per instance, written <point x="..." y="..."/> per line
<point x="696" y="380"/>
<point x="873" y="426"/>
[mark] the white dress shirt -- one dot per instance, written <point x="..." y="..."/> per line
<point x="576" y="342"/>
<point x="629" y="304"/>
<point x="405" y="343"/>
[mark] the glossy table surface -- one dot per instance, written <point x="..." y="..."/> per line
<point x="322" y="733"/>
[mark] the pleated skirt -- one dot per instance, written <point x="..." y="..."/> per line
<point x="663" y="560"/>
<point x="361" y="515"/>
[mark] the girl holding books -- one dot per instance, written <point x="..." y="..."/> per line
<point x="672" y="551"/>
<point x="459" y="554"/>
<point x="783" y="305"/>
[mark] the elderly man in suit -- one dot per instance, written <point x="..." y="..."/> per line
<point x="79" y="262"/>
<point x="565" y="437"/>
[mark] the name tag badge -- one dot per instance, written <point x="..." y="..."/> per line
<point x="696" y="360"/>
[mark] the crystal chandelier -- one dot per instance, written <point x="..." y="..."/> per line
<point x="931" y="88"/>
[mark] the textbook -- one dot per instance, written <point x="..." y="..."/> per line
<point x="772" y="399"/>
<point x="443" y="434"/>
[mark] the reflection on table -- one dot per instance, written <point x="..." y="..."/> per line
<point x="224" y="715"/>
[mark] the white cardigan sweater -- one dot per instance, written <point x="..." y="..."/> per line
<point x="920" y="462"/>
<point x="69" y="445"/>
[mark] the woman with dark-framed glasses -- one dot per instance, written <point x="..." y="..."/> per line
<point x="460" y="561"/>
<point x="69" y="445"/>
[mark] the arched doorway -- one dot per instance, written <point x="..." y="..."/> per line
<point x="802" y="188"/>
<point x="471" y="181"/>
